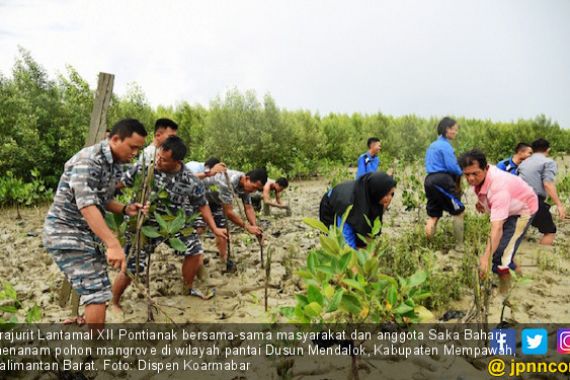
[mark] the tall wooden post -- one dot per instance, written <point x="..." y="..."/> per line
<point x="96" y="133"/>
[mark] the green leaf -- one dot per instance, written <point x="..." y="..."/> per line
<point x="304" y="274"/>
<point x="324" y="269"/>
<point x="346" y="213"/>
<point x="287" y="311"/>
<point x="10" y="291"/>
<point x="353" y="284"/>
<point x="330" y="245"/>
<point x="187" y="231"/>
<point x="312" y="262"/>
<point x="391" y="280"/>
<point x="392" y="296"/>
<point x="328" y="291"/>
<point x="178" y="223"/>
<point x="335" y="301"/>
<point x="361" y="257"/>
<point x="402" y="309"/>
<point x="8" y="309"/>
<point x="314" y="294"/>
<point x="316" y="224"/>
<point x="376" y="227"/>
<point x="417" y="279"/>
<point x="343" y="262"/>
<point x="161" y="222"/>
<point x="177" y="244"/>
<point x="313" y="310"/>
<point x="150" y="232"/>
<point x="371" y="266"/>
<point x="422" y="296"/>
<point x="34" y="314"/>
<point x="163" y="194"/>
<point x="301" y="300"/>
<point x="350" y="304"/>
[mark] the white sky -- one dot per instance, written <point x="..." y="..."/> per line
<point x="498" y="59"/>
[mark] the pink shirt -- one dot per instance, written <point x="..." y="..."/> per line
<point x="504" y="195"/>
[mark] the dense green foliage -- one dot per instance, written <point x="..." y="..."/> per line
<point x="43" y="122"/>
<point x="346" y="285"/>
<point x="15" y="192"/>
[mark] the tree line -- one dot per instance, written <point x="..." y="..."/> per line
<point x="44" y="121"/>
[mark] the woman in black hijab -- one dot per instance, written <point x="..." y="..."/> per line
<point x="369" y="196"/>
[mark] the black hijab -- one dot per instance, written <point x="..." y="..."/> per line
<point x="364" y="195"/>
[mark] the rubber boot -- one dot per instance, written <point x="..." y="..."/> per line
<point x="459" y="232"/>
<point x="266" y="210"/>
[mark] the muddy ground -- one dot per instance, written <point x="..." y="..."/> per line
<point x="240" y="296"/>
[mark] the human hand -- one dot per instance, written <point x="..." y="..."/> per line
<point x="133" y="209"/>
<point x="254" y="230"/>
<point x="221" y="233"/>
<point x="116" y="257"/>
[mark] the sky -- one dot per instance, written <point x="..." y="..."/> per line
<point x="492" y="59"/>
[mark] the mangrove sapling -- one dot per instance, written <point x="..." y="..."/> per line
<point x="267" y="276"/>
<point x="260" y="241"/>
<point x="230" y="264"/>
<point x="517" y="280"/>
<point x="346" y="285"/>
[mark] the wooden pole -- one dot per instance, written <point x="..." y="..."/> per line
<point x="96" y="133"/>
<point x="103" y="95"/>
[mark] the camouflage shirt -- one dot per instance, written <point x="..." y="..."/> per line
<point x="149" y="154"/>
<point x="184" y="190"/>
<point x="218" y="191"/>
<point x="88" y="179"/>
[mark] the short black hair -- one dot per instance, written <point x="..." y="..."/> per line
<point x="282" y="182"/>
<point x="444" y="125"/>
<point x="211" y="162"/>
<point x="472" y="156"/>
<point x="521" y="146"/>
<point x="256" y="175"/>
<point x="126" y="127"/>
<point x="165" y="123"/>
<point x="540" y="145"/>
<point x="176" y="146"/>
<point x="372" y="140"/>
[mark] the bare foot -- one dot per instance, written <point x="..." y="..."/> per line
<point x="79" y="320"/>
<point x="115" y="314"/>
<point x="430" y="227"/>
<point x="116" y="308"/>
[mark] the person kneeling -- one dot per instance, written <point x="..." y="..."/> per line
<point x="369" y="196"/>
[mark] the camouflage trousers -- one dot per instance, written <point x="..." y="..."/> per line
<point x="219" y="218"/>
<point x="86" y="271"/>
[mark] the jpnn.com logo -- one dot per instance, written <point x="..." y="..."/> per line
<point x="534" y="341"/>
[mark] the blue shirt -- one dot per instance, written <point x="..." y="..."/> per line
<point x="508" y="165"/>
<point x="195" y="167"/>
<point x="367" y="164"/>
<point x="440" y="158"/>
<point x="348" y="233"/>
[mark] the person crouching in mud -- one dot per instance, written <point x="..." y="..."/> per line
<point x="369" y="196"/>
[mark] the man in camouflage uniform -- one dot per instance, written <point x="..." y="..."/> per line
<point x="185" y="192"/>
<point x="220" y="196"/>
<point x="75" y="225"/>
<point x="163" y="129"/>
